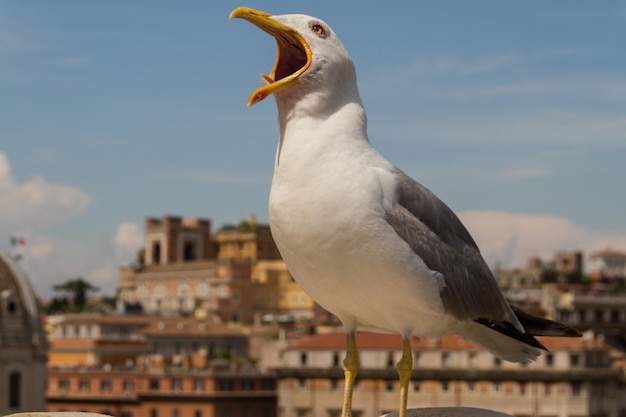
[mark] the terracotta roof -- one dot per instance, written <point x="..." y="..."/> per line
<point x="376" y="341"/>
<point x="364" y="341"/>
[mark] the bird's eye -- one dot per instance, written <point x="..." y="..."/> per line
<point x="318" y="30"/>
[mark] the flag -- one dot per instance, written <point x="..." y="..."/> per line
<point x="17" y="241"/>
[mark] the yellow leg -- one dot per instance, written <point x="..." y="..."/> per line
<point x="350" y="368"/>
<point x="405" y="368"/>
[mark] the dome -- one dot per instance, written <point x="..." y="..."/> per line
<point x="20" y="319"/>
<point x="23" y="345"/>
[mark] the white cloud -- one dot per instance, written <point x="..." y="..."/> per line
<point x="510" y="238"/>
<point x="128" y="239"/>
<point x="36" y="203"/>
<point x="49" y="261"/>
<point x="29" y="207"/>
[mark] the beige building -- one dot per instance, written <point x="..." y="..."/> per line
<point x="277" y="295"/>
<point x="232" y="275"/>
<point x="23" y="343"/>
<point x="249" y="241"/>
<point x="607" y="264"/>
<point x="117" y="341"/>
<point x="575" y="378"/>
<point x="92" y="339"/>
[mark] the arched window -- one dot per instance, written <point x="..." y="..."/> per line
<point x="156" y="253"/>
<point x="15" y="390"/>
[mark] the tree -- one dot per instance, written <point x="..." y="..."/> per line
<point x="77" y="288"/>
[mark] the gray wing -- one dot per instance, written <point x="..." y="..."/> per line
<point x="437" y="236"/>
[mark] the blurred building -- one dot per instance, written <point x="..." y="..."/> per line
<point x="231" y="275"/>
<point x="249" y="241"/>
<point x="576" y="378"/>
<point x="607" y="264"/>
<point x="22" y="343"/>
<point x="152" y="390"/>
<point x="565" y="267"/>
<point x="91" y="340"/>
<point x="150" y="366"/>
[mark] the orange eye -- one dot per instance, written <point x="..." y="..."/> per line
<point x="318" y="30"/>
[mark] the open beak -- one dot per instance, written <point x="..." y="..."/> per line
<point x="294" y="54"/>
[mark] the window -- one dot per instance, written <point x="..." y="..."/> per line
<point x="197" y="413"/>
<point x="268" y="385"/>
<point x="128" y="386"/>
<point x="549" y="359"/>
<point x="154" y="384"/>
<point x="497" y="387"/>
<point x="198" y="385"/>
<point x="156" y="253"/>
<point x="577" y="387"/>
<point x="497" y="362"/>
<point x="446" y="359"/>
<point x="417" y="359"/>
<point x="471" y="386"/>
<point x="105" y="385"/>
<point x="598" y="315"/>
<point x="83" y="384"/>
<point x="11" y="307"/>
<point x="522" y="388"/>
<point x="615" y="316"/>
<point x="175" y="412"/>
<point x="189" y="251"/>
<point x="335" y="359"/>
<point x="15" y="390"/>
<point x="472" y="359"/>
<point x="176" y="384"/>
<point x="154" y="412"/>
<point x="303" y="358"/>
<point x="226" y="385"/>
<point x="574" y="359"/>
<point x="334" y="384"/>
<point x="445" y="386"/>
<point x="63" y="384"/>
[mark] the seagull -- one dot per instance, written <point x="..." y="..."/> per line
<point x="363" y="239"/>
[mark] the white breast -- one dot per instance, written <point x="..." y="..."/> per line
<point x="328" y="220"/>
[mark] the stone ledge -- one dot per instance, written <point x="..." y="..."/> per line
<point x="56" y="414"/>
<point x="449" y="412"/>
<point x="414" y="412"/>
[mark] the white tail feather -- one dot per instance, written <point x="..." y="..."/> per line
<point x="500" y="345"/>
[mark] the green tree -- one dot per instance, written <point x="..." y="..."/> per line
<point x="77" y="289"/>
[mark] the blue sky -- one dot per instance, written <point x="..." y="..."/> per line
<point x="513" y="113"/>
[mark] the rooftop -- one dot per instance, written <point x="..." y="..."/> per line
<point x="376" y="341"/>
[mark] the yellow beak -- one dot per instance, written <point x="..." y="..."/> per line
<point x="294" y="53"/>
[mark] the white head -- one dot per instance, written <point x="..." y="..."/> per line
<point x="312" y="64"/>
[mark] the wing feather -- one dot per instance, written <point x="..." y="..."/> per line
<point x="437" y="236"/>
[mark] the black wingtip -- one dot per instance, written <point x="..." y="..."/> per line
<point x="509" y="330"/>
<point x="538" y="326"/>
